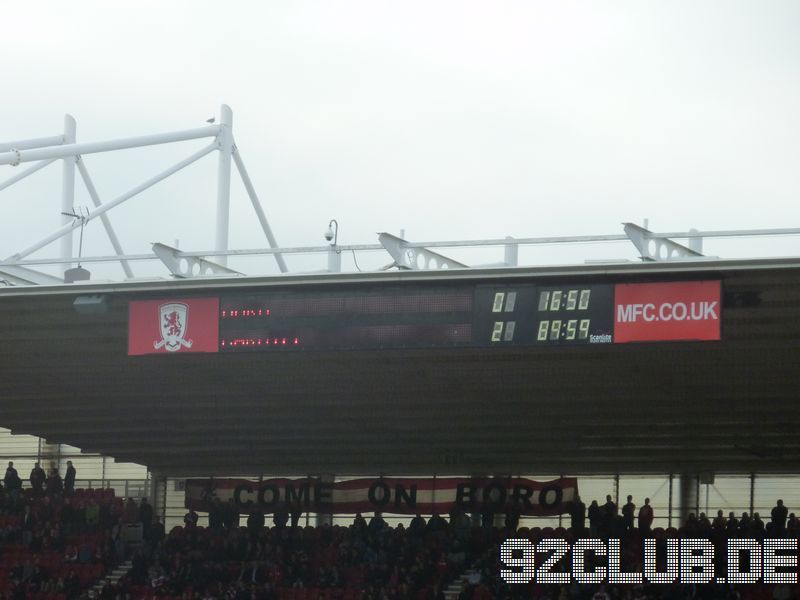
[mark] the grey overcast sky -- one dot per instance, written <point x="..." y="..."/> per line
<point x="449" y="119"/>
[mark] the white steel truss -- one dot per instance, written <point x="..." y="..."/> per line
<point x="18" y="269"/>
<point x="45" y="151"/>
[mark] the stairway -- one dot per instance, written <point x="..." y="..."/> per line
<point x="454" y="589"/>
<point x="112" y="577"/>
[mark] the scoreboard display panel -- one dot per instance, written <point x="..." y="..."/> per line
<point x="388" y="318"/>
<point x="429" y="316"/>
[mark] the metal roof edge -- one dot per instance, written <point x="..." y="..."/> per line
<point x="303" y="279"/>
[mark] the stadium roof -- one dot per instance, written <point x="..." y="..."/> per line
<point x="726" y="406"/>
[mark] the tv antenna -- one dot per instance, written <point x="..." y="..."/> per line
<point x="79" y="216"/>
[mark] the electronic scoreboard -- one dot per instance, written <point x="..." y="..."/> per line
<point x="425" y="316"/>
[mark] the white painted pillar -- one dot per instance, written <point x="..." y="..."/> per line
<point x="68" y="189"/>
<point x="511" y="254"/>
<point x="334" y="261"/>
<point x="225" y="139"/>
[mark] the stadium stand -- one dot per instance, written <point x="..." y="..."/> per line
<point x="376" y="562"/>
<point x="54" y="547"/>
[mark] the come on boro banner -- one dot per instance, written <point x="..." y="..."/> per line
<point x="173" y="326"/>
<point x="390" y="495"/>
<point x="687" y="310"/>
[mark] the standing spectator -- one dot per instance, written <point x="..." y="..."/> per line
<point x="594" y="518"/>
<point x="645" y="517"/>
<point x="732" y="526"/>
<point x="215" y="514"/>
<point x="12" y="480"/>
<point x="436" y="524"/>
<point x="131" y="513"/>
<point x="627" y="513"/>
<point x="158" y="532"/>
<point x="793" y="526"/>
<point x="608" y="514"/>
<point x="719" y="523"/>
<point x="704" y="525"/>
<point x="145" y="517"/>
<point x="487" y="516"/>
<point x="230" y="515"/>
<point x="513" y="513"/>
<point x="54" y="484"/>
<point x="778" y="516"/>
<point x="37" y="479"/>
<point x="255" y="523"/>
<point x="190" y="519"/>
<point x="577" y="513"/>
<point x="359" y="523"/>
<point x="756" y="529"/>
<point x="297" y="512"/>
<point x="281" y="516"/>
<point x="744" y="524"/>
<point x="376" y="524"/>
<point x="69" y="479"/>
<point x="417" y="526"/>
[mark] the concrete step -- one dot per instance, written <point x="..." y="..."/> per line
<point x="114" y="576"/>
<point x="454" y="589"/>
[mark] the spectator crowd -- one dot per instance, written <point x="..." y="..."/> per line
<point x="57" y="541"/>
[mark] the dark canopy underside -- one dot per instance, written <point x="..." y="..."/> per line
<point x="729" y="406"/>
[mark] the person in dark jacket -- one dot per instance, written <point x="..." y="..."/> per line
<point x="645" y="517"/>
<point x="778" y="518"/>
<point x="255" y="523"/>
<point x="69" y="479"/>
<point x="594" y="518"/>
<point x="608" y="514"/>
<point x="628" y="510"/>
<point x="38" y="478"/>
<point x="577" y="513"/>
<point x="54" y="484"/>
<point x="11" y="479"/>
<point x="145" y="517"/>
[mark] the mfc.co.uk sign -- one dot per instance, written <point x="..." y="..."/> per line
<point x="687" y="310"/>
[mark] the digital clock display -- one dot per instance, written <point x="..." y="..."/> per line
<point x="463" y="315"/>
<point x="575" y="314"/>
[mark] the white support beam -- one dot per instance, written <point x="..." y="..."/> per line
<point x="17" y="155"/>
<point x="112" y="236"/>
<point x="119" y="200"/>
<point x="23" y="276"/>
<point x="68" y="189"/>
<point x="262" y="218"/>
<point x="511" y="253"/>
<point x="225" y="140"/>
<point x="657" y="248"/>
<point x="186" y="267"/>
<point x="29" y="171"/>
<point x="54" y="140"/>
<point x="415" y="258"/>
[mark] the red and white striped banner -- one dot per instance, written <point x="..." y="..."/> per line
<point x="389" y="494"/>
